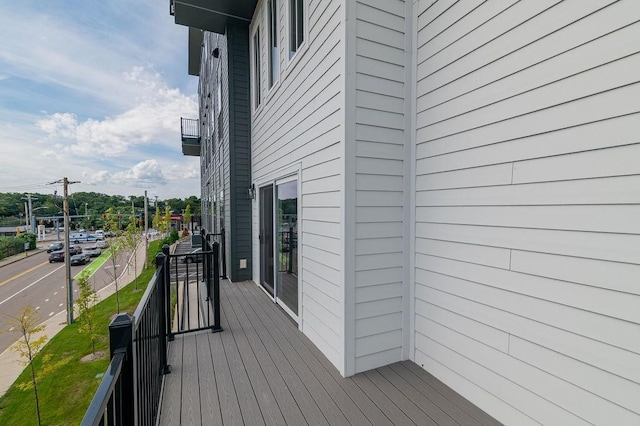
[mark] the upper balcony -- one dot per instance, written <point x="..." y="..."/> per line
<point x="190" y="131"/>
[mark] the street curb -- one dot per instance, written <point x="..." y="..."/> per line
<point x="18" y="257"/>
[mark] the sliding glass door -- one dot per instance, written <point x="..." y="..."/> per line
<point x="266" y="238"/>
<point x="279" y="242"/>
<point x="287" y="244"/>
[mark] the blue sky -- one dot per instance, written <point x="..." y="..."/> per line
<point x="94" y="91"/>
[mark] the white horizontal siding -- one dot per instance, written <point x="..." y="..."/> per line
<point x="527" y="258"/>
<point x="379" y="181"/>
<point x="299" y="126"/>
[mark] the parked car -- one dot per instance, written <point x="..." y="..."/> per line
<point x="102" y="244"/>
<point x="153" y="233"/>
<point x="80" y="259"/>
<point x="92" y="251"/>
<point x="75" y="250"/>
<point x="55" y="247"/>
<point x="56" y="256"/>
<point x="194" y="257"/>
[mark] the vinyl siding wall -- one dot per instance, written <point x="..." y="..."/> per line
<point x="298" y="126"/>
<point x="527" y="203"/>
<point x="380" y="180"/>
<point x="216" y="163"/>
<point x="237" y="204"/>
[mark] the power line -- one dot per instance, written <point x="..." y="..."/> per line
<point x="25" y="187"/>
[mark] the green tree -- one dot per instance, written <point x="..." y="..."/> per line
<point x="114" y="250"/>
<point x="28" y="324"/>
<point x="86" y="301"/>
<point x="131" y="238"/>
<point x="167" y="219"/>
<point x="155" y="223"/>
<point x="187" y="216"/>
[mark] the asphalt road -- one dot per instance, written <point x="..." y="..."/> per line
<point x="36" y="282"/>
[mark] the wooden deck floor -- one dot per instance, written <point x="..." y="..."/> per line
<point x="262" y="370"/>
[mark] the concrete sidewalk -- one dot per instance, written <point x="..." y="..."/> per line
<point x="10" y="362"/>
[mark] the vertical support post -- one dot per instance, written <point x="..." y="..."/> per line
<point x="216" y="287"/>
<point x="160" y="264"/>
<point x="206" y="261"/>
<point x="167" y="291"/>
<point x="120" y="341"/>
<point x="223" y="241"/>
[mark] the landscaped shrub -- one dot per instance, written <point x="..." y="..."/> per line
<point x="10" y="246"/>
<point x="28" y="237"/>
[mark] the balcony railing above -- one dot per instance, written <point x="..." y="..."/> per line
<point x="190" y="132"/>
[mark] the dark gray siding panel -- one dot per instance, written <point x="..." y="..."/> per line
<point x="239" y="153"/>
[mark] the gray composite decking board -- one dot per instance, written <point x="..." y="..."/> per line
<point x="357" y="395"/>
<point x="249" y="407"/>
<point x="312" y="413"/>
<point x="264" y="397"/>
<point x="310" y="353"/>
<point x="451" y="395"/>
<point x="423" y="418"/>
<point x="329" y="408"/>
<point x="388" y="407"/>
<point x="459" y="415"/>
<point x="171" y="403"/>
<point x="209" y="400"/>
<point x="348" y="407"/>
<point x="229" y="406"/>
<point x="336" y="394"/>
<point x="285" y="400"/>
<point x="191" y="414"/>
<point x="262" y="370"/>
<point x="423" y="403"/>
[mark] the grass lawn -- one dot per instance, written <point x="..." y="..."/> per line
<point x="66" y="393"/>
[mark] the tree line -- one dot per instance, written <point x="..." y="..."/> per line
<point x="93" y="204"/>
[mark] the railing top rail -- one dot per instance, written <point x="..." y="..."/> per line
<point x="189" y="127"/>
<point x="96" y="409"/>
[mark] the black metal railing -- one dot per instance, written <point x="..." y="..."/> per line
<point x="192" y="294"/>
<point x="189" y="128"/>
<point x="150" y="348"/>
<point x="222" y="242"/>
<point x="130" y="390"/>
<point x="113" y="402"/>
<point x="288" y="247"/>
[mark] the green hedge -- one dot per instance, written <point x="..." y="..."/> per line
<point x="10" y="246"/>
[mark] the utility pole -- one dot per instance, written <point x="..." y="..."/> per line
<point x="28" y="211"/>
<point x="67" y="259"/>
<point x="26" y="216"/>
<point x="146" y="231"/>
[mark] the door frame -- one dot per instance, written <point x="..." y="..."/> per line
<point x="285" y="175"/>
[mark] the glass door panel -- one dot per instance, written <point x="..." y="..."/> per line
<point x="266" y="238"/>
<point x="287" y="244"/>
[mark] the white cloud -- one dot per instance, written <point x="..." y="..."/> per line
<point x="154" y="119"/>
<point x="117" y="71"/>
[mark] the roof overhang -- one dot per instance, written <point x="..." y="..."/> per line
<point x="212" y="15"/>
